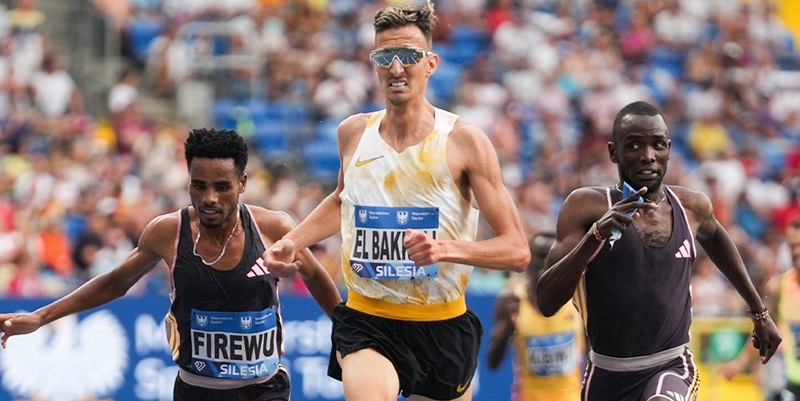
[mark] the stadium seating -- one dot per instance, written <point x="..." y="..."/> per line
<point x="140" y="34"/>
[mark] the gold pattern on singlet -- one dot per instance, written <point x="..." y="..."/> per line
<point x="375" y="118"/>
<point x="417" y="177"/>
<point x="173" y="335"/>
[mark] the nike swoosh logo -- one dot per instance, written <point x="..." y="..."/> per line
<point x="462" y="387"/>
<point x="360" y="162"/>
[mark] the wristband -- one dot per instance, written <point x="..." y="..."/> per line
<point x="596" y="232"/>
<point x="758" y="315"/>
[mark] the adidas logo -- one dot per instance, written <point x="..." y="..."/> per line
<point x="258" y="269"/>
<point x="684" y="252"/>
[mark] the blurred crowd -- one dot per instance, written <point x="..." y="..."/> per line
<point x="543" y="78"/>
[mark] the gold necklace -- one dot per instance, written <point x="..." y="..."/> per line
<point x="659" y="201"/>
<point x="224" y="246"/>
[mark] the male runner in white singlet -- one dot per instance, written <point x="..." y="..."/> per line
<point x="412" y="181"/>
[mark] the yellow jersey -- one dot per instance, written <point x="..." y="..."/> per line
<point x="789" y="322"/>
<point x="548" y="353"/>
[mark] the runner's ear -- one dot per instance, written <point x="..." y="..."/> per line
<point x="612" y="153"/>
<point x="433" y="62"/>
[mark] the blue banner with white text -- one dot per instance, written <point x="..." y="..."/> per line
<point x="119" y="352"/>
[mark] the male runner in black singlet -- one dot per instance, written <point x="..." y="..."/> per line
<point x="627" y="263"/>
<point x="223" y="297"/>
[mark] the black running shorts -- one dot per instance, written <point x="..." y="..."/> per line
<point x="434" y="359"/>
<point x="677" y="379"/>
<point x="275" y="389"/>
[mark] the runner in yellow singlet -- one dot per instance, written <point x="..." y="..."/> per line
<point x="783" y="295"/>
<point x="548" y="351"/>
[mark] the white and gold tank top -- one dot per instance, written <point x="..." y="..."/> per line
<point x="385" y="193"/>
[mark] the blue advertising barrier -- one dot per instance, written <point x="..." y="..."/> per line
<point x="120" y="352"/>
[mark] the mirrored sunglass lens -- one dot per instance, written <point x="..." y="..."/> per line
<point x="385" y="57"/>
<point x="382" y="58"/>
<point x="413" y="57"/>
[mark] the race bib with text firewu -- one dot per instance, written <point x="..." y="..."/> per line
<point x="378" y="252"/>
<point x="551" y="354"/>
<point x="235" y="345"/>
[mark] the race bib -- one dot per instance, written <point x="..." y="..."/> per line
<point x="551" y="355"/>
<point x="795" y="328"/>
<point x="378" y="252"/>
<point x="235" y="345"/>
